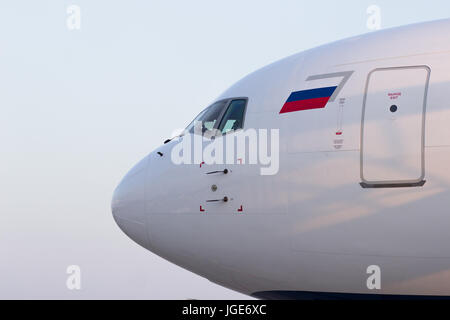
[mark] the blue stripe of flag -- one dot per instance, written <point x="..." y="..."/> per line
<point x="311" y="94"/>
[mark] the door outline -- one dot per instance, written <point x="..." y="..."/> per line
<point x="396" y="183"/>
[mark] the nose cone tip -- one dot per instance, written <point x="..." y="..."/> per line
<point x="128" y="204"/>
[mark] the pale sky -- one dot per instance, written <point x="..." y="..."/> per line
<point x="80" y="107"/>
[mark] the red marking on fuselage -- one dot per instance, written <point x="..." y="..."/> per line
<point x="394" y="95"/>
<point x="317" y="103"/>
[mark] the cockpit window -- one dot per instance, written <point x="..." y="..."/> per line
<point x="208" y="117"/>
<point x="222" y="116"/>
<point x="233" y="117"/>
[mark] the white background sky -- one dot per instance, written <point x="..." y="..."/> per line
<point x="78" y="108"/>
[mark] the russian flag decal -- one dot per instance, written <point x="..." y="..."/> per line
<point x="308" y="99"/>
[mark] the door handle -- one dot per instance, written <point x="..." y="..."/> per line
<point x="224" y="199"/>
<point x="225" y="171"/>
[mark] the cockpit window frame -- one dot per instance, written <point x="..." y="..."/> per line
<point x="224" y="110"/>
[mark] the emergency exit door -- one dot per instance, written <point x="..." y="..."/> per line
<point x="393" y="127"/>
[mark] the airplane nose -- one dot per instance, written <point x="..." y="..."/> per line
<point x="128" y="204"/>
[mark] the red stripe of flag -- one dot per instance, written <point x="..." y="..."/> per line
<point x="301" y="105"/>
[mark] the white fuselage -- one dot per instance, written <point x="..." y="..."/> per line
<point x="363" y="181"/>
